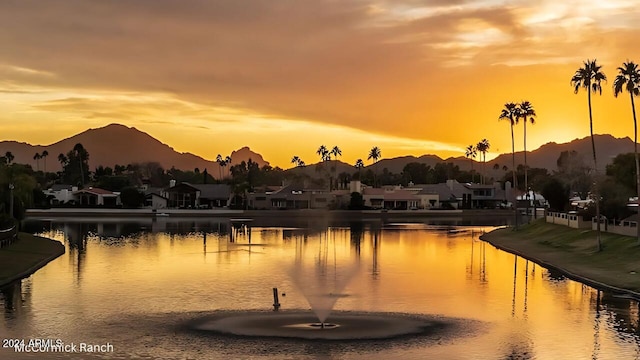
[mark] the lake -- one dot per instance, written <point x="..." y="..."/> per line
<point x="137" y="284"/>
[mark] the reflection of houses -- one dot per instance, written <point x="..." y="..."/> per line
<point x="97" y="196"/>
<point x="190" y="196"/>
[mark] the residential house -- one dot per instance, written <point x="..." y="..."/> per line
<point x="191" y="196"/>
<point x="97" y="196"/>
<point x="61" y="194"/>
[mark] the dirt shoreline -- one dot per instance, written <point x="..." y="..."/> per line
<point x="26" y="256"/>
<point x="573" y="252"/>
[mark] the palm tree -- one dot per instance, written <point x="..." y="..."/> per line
<point x="44" y="155"/>
<point x="589" y="78"/>
<point x="37" y="158"/>
<point x="336" y="152"/>
<point x="324" y="153"/>
<point x="527" y="113"/>
<point x="374" y="154"/>
<point x="297" y="161"/>
<point x="471" y="152"/>
<point x="219" y="160"/>
<point x="510" y="113"/>
<point x="227" y="161"/>
<point x="483" y="146"/>
<point x="359" y="165"/>
<point x="9" y="156"/>
<point x="81" y="153"/>
<point x="62" y="158"/>
<point x="629" y="79"/>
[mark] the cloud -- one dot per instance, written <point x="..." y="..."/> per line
<point x="403" y="68"/>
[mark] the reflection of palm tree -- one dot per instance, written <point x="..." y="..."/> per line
<point x="510" y="113"/>
<point x="527" y="113"/>
<point x="589" y="78"/>
<point x="471" y="152"/>
<point x="374" y="154"/>
<point x="483" y="147"/>
<point x="629" y="79"/>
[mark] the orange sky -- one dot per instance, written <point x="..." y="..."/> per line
<point x="284" y="77"/>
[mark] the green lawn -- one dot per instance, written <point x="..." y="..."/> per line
<point x="575" y="251"/>
<point x="28" y="252"/>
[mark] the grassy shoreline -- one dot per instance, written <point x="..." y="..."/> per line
<point x="26" y="256"/>
<point x="574" y="253"/>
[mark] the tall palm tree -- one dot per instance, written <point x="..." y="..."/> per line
<point x="629" y="79"/>
<point x="471" y="152"/>
<point x="510" y="113"/>
<point x="37" y="158"/>
<point x="374" y="154"/>
<point x="589" y="78"/>
<point x="44" y="155"/>
<point x="62" y="158"/>
<point x="295" y="160"/>
<point x="219" y="160"/>
<point x="336" y="152"/>
<point x="483" y="147"/>
<point x="81" y="154"/>
<point x="324" y="153"/>
<point x="359" y="165"/>
<point x="227" y="162"/>
<point x="527" y="113"/>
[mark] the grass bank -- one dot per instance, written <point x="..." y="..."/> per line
<point x="26" y="256"/>
<point x="574" y="253"/>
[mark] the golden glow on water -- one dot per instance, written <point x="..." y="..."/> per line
<point x="399" y="268"/>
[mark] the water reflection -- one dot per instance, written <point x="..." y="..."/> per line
<point x="117" y="269"/>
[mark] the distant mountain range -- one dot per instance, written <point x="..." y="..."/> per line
<point x="546" y="156"/>
<point x="607" y="148"/>
<point x="119" y="144"/>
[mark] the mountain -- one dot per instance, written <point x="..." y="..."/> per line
<point x="119" y="144"/>
<point x="607" y="147"/>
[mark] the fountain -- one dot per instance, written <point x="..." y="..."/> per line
<point x="322" y="284"/>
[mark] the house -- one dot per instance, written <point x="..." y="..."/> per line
<point x="183" y="195"/>
<point x="191" y="196"/>
<point x="295" y="196"/>
<point x="213" y="195"/>
<point x="97" y="196"/>
<point x="155" y="201"/>
<point x="61" y="193"/>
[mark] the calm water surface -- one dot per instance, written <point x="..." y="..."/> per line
<point x="136" y="284"/>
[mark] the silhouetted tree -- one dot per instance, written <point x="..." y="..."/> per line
<point x="629" y="79"/>
<point x="589" y="78"/>
<point x="527" y="113"/>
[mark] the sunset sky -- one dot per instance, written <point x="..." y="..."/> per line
<point x="284" y="77"/>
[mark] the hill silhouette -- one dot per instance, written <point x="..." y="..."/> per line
<point x="119" y="144"/>
<point x="546" y="156"/>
